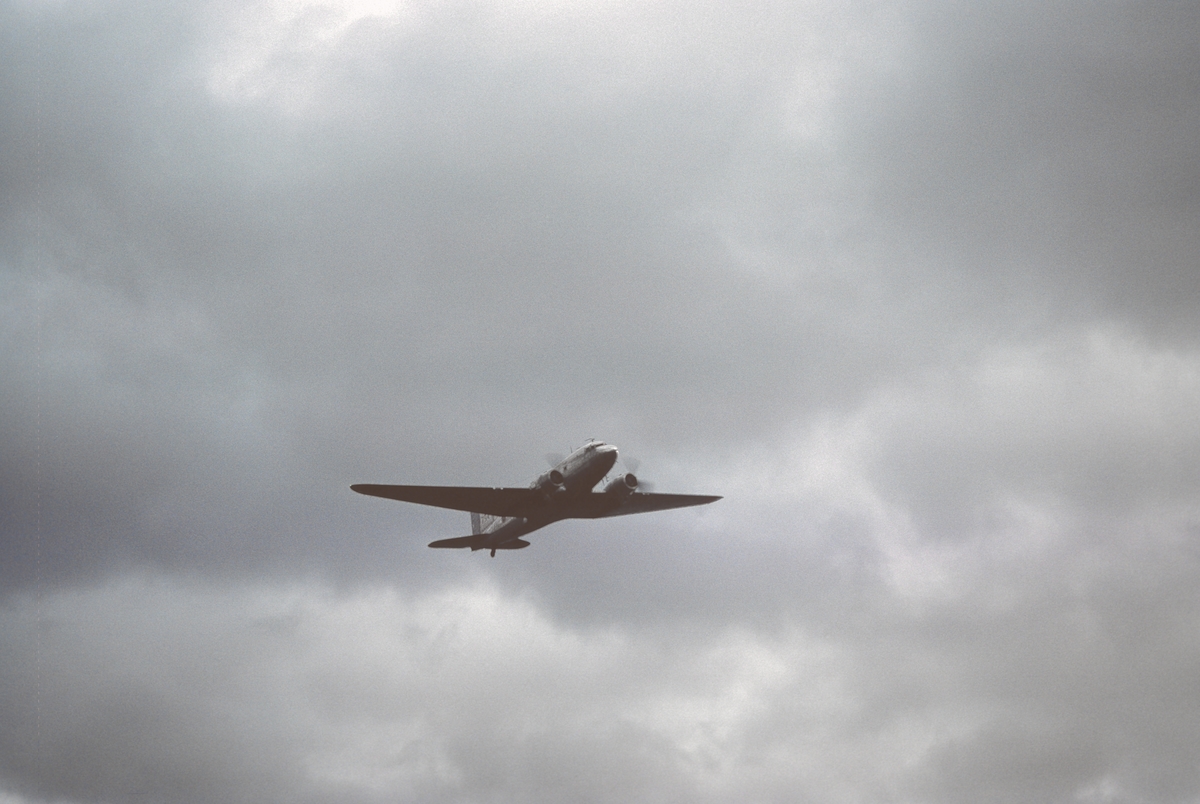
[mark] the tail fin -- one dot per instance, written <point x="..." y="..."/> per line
<point x="486" y="523"/>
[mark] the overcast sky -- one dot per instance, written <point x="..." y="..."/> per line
<point x="915" y="286"/>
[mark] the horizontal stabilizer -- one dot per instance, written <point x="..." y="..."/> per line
<point x="475" y="541"/>
<point x="479" y="542"/>
<point x="515" y="544"/>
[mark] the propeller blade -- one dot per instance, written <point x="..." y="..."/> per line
<point x="555" y="458"/>
<point x="632" y="464"/>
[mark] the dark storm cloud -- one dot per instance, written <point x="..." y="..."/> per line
<point x="1044" y="150"/>
<point x="310" y="273"/>
<point x="297" y="693"/>
<point x="912" y="286"/>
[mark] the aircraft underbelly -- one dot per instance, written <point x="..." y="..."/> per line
<point x="511" y="528"/>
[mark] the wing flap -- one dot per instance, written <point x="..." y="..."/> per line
<point x="497" y="502"/>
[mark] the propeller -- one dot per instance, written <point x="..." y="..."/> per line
<point x="632" y="464"/>
<point x="554" y="458"/>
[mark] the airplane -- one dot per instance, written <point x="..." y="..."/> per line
<point x="501" y="516"/>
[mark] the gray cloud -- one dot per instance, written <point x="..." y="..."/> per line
<point x="912" y="286"/>
<point x="188" y="692"/>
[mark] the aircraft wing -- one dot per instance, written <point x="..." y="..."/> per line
<point x="641" y="503"/>
<point x="496" y="502"/>
<point x="599" y="504"/>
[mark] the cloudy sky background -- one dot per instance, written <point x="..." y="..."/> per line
<point x="913" y="285"/>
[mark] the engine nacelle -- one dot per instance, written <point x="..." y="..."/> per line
<point x="623" y="486"/>
<point x="550" y="482"/>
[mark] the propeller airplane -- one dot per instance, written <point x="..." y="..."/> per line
<point x="501" y="516"/>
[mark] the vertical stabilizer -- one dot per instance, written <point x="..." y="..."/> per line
<point x="486" y="523"/>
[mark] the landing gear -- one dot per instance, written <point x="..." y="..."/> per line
<point x="493" y="552"/>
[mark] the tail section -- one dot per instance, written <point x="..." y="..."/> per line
<point x="486" y="523"/>
<point x="475" y="541"/>
<point x="483" y="535"/>
<point x="515" y="544"/>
